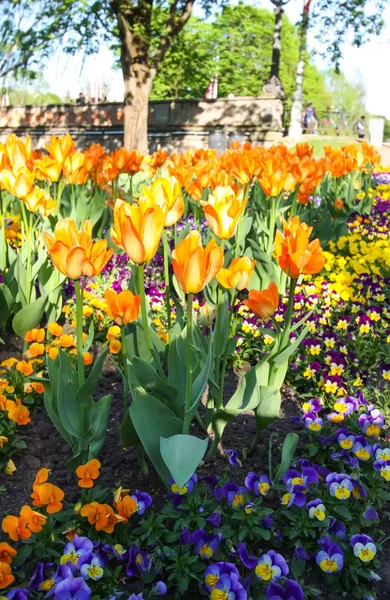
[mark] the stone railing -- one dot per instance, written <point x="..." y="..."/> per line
<point x="172" y="124"/>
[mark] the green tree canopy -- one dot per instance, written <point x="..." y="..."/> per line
<point x="237" y="46"/>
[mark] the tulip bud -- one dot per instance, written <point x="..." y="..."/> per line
<point x="206" y="315"/>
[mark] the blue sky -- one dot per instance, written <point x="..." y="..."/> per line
<point x="368" y="63"/>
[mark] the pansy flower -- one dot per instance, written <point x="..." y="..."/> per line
<point x="186" y="488"/>
<point x="363" y="547"/>
<point x="72" y="589"/>
<point x="139" y="561"/>
<point x="383" y="466"/>
<point x="304" y="478"/>
<point x="370" y="514"/>
<point x="345" y="439"/>
<point x="361" y="449"/>
<point x="228" y="588"/>
<point x="296" y="495"/>
<point x="232" y="456"/>
<point x="214" y="572"/>
<point x="291" y="590"/>
<point x="271" y="566"/>
<point x="359" y="492"/>
<point x="74" y="550"/>
<point x="91" y="567"/>
<point x="346" y="405"/>
<point x="205" y="545"/>
<point x="340" y="485"/>
<point x="372" y="423"/>
<point x="143" y="501"/>
<point x="312" y="422"/>
<point x="313" y="405"/>
<point x="330" y="558"/>
<point x="316" y="509"/>
<point x="259" y="485"/>
<point x="382" y="454"/>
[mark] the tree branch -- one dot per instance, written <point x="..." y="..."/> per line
<point x="173" y="28"/>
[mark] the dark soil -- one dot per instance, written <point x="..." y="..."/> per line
<point x="120" y="467"/>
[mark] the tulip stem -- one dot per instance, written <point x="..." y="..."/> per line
<point x="272" y="221"/>
<point x="30" y="234"/>
<point x="79" y="331"/>
<point x="224" y="364"/>
<point x="238" y="237"/>
<point x="290" y="308"/>
<point x="294" y="202"/>
<point x="125" y="371"/>
<point x="73" y="200"/>
<point x="188" y="398"/>
<point x="144" y="317"/>
<point x="166" y="277"/>
<point x="60" y="189"/>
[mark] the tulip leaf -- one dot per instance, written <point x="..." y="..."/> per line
<point x="200" y="382"/>
<point x="268" y="408"/>
<point x="70" y="410"/>
<point x="152" y="419"/>
<point x="302" y="321"/>
<point x="84" y="393"/>
<point x="288" y="450"/>
<point x="287" y="352"/>
<point x="98" y="415"/>
<point x="182" y="455"/>
<point x="151" y="381"/>
<point x="89" y="339"/>
<point x="128" y="434"/>
<point x="6" y="304"/>
<point x="29" y="316"/>
<point x="50" y="400"/>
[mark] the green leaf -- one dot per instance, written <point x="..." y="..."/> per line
<point x="84" y="393"/>
<point x="128" y="434"/>
<point x="89" y="339"/>
<point x="152" y="420"/>
<point x="29" y="316"/>
<point x="287" y="352"/>
<point x="182" y="455"/>
<point x="6" y="304"/>
<point x="73" y="418"/>
<point x="151" y="380"/>
<point x="98" y="415"/>
<point x="288" y="450"/>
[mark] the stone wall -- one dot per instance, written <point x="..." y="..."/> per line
<point x="175" y="125"/>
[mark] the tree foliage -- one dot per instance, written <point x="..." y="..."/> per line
<point x="237" y="46"/>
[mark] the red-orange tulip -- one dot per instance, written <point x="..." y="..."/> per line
<point x="74" y="253"/>
<point x="195" y="266"/>
<point x="295" y="253"/>
<point x="265" y="303"/>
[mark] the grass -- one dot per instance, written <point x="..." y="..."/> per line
<point x="319" y="142"/>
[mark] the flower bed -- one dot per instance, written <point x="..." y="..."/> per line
<point x="285" y="508"/>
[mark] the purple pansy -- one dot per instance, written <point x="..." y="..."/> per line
<point x="72" y="589"/>
<point x="291" y="590"/>
<point x="259" y="485"/>
<point x="271" y="566"/>
<point x="205" y="545"/>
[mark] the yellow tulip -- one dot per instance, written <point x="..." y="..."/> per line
<point x="167" y="194"/>
<point x="195" y="266"/>
<point x="238" y="274"/>
<point x="223" y="209"/>
<point x="18" y="183"/>
<point x="138" y="229"/>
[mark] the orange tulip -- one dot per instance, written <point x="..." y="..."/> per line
<point x="19" y="183"/>
<point x="6" y="577"/>
<point x="238" y="274"/>
<point x="87" y="473"/>
<point x="123" y="308"/>
<point x="339" y="204"/>
<point x="138" y="229"/>
<point x="6" y="553"/>
<point x="222" y="211"/>
<point x="50" y="496"/>
<point x="157" y="159"/>
<point x="265" y="303"/>
<point x="35" y="521"/>
<point x="273" y="176"/>
<point x="39" y="200"/>
<point x="74" y="253"/>
<point x="167" y="194"/>
<point x="126" y="161"/>
<point x="294" y="252"/>
<point x="60" y="148"/>
<point x="195" y="266"/>
<point x="16" y="527"/>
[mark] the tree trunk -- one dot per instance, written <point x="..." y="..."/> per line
<point x="295" y="129"/>
<point x="138" y="85"/>
<point x="277" y="41"/>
